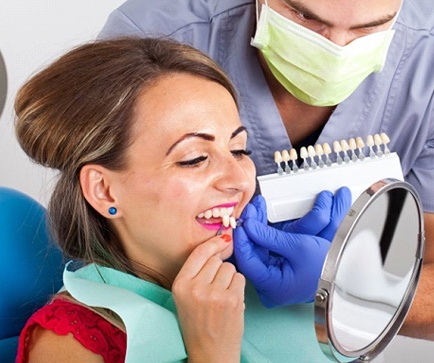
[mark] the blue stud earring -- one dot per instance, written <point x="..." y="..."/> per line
<point x="112" y="211"/>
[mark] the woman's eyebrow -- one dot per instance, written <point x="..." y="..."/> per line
<point x="204" y="136"/>
<point x="200" y="135"/>
<point x="237" y="131"/>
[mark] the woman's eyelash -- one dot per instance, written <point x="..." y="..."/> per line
<point x="241" y="152"/>
<point x="200" y="159"/>
<point x="192" y="162"/>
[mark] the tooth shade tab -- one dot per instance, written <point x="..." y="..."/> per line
<point x="225" y="221"/>
<point x="337" y="148"/>
<point x="327" y="151"/>
<point x="385" y="140"/>
<point x="319" y="150"/>
<point x="304" y="155"/>
<point x="353" y="146"/>
<point x="370" y="143"/>
<point x="293" y="156"/>
<point x="311" y="152"/>
<point x="377" y="139"/>
<point x="360" y="143"/>
<point x="286" y="158"/>
<point x="345" y="147"/>
<point x="278" y="159"/>
<point x="378" y="142"/>
<point x="229" y="221"/>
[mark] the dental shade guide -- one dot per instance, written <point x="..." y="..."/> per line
<point x="290" y="196"/>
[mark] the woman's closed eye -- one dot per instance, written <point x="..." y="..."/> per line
<point x="193" y="162"/>
<point x="239" y="153"/>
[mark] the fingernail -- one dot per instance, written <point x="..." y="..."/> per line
<point x="226" y="237"/>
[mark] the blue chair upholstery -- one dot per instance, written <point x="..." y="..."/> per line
<point x="31" y="266"/>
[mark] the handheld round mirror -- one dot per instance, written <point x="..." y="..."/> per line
<point x="3" y="83"/>
<point x="371" y="273"/>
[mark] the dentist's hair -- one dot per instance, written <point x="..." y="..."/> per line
<point x="78" y="111"/>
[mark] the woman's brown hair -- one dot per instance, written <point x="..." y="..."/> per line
<point x="79" y="110"/>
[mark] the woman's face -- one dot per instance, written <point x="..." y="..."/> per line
<point x="187" y="159"/>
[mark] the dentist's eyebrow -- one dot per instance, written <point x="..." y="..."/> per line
<point x="310" y="15"/>
<point x="203" y="136"/>
<point x="381" y="21"/>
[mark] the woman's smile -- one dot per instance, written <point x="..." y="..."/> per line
<point x="213" y="218"/>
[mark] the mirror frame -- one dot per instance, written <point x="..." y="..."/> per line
<point x="323" y="299"/>
<point x="3" y="83"/>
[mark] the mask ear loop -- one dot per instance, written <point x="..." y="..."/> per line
<point x="257" y="9"/>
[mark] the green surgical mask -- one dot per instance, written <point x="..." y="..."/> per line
<point x="312" y="68"/>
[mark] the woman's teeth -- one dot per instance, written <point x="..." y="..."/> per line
<point x="223" y="213"/>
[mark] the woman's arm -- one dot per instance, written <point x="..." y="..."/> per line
<point x="45" y="346"/>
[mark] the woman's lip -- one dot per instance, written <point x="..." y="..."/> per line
<point x="212" y="226"/>
<point x="225" y="205"/>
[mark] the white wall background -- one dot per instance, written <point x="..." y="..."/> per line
<point x="32" y="33"/>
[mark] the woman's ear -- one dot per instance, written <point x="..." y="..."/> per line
<point x="97" y="190"/>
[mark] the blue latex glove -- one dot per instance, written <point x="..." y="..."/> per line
<point x="285" y="266"/>
<point x="323" y="219"/>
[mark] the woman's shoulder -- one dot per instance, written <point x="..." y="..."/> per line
<point x="63" y="320"/>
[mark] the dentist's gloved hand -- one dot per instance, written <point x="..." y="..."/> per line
<point x="285" y="266"/>
<point x="323" y="219"/>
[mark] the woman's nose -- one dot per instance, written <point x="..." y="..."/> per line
<point x="235" y="176"/>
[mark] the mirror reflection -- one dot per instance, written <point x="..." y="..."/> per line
<point x="375" y="269"/>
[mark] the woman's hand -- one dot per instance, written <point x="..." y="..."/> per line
<point x="209" y="297"/>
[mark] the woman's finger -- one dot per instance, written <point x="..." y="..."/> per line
<point x="200" y="256"/>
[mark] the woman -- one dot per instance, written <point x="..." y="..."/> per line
<point x="153" y="174"/>
<point x="152" y="157"/>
